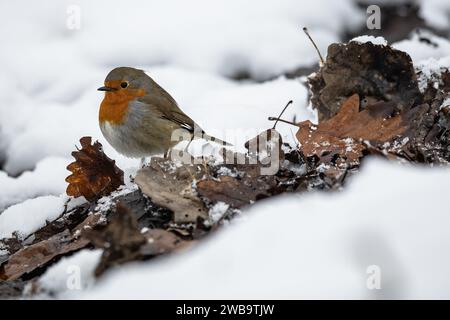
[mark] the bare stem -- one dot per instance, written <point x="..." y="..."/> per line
<point x="276" y="119"/>
<point x="282" y="120"/>
<point x="322" y="62"/>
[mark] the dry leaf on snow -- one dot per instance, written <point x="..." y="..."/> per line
<point x="171" y="188"/>
<point x="94" y="174"/>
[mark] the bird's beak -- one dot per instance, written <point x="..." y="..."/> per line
<point x="106" y="89"/>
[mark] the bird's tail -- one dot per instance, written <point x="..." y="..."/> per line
<point x="214" y="139"/>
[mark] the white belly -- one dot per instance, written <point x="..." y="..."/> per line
<point x="120" y="140"/>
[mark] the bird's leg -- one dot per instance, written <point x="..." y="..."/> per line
<point x="187" y="146"/>
<point x="205" y="166"/>
<point x="166" y="154"/>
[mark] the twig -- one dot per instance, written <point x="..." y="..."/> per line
<point x="322" y="62"/>
<point x="282" y="120"/>
<point x="277" y="119"/>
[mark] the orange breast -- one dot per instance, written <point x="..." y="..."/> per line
<point x="115" y="103"/>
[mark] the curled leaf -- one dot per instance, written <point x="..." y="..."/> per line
<point x="94" y="174"/>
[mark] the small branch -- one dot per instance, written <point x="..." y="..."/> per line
<point x="322" y="62"/>
<point x="284" y="109"/>
<point x="282" y="120"/>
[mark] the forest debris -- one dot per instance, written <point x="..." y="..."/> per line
<point x="350" y="132"/>
<point x="375" y="123"/>
<point x="376" y="73"/>
<point x="380" y="75"/>
<point x="445" y="77"/>
<point x="57" y="238"/>
<point x="94" y="174"/>
<point x="342" y="135"/>
<point x="37" y="255"/>
<point x="266" y="146"/>
<point x="148" y="214"/>
<point x="172" y="189"/>
<point x="416" y="134"/>
<point x="4" y="257"/>
<point x="161" y="241"/>
<point x="364" y="108"/>
<point x="235" y="192"/>
<point x="121" y="239"/>
<point x="71" y="232"/>
<point x="12" y="289"/>
<point x="69" y="220"/>
<point x="9" y="246"/>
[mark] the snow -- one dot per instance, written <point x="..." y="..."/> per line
<point x="48" y="100"/>
<point x="445" y="103"/>
<point x="431" y="70"/>
<point x="194" y="91"/>
<point x="314" y="246"/>
<point x="217" y="211"/>
<point x="422" y="50"/>
<point x="431" y="57"/>
<point x="57" y="79"/>
<point x="70" y="274"/>
<point x="375" y="40"/>
<point x="28" y="216"/>
<point x="224" y="36"/>
<point x="436" y="13"/>
<point x="105" y="203"/>
<point x="46" y="179"/>
<point x="51" y="88"/>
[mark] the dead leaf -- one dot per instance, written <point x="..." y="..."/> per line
<point x="237" y="192"/>
<point x="382" y="73"/>
<point x="93" y="174"/>
<point x="172" y="188"/>
<point x="446" y="80"/>
<point x="161" y="241"/>
<point x="375" y="72"/>
<point x="39" y="254"/>
<point x="12" y="289"/>
<point x="343" y="135"/>
<point x="121" y="239"/>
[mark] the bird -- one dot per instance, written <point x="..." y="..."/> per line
<point x="138" y="117"/>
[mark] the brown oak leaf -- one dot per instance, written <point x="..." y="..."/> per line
<point x="344" y="134"/>
<point x="94" y="174"/>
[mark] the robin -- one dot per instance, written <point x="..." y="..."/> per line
<point x="138" y="117"/>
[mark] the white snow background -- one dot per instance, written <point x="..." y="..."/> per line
<point x="308" y="246"/>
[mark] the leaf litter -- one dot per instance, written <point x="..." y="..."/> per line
<point x="370" y="103"/>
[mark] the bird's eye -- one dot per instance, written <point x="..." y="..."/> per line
<point x="124" y="84"/>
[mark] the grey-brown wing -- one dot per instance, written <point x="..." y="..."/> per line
<point x="164" y="106"/>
